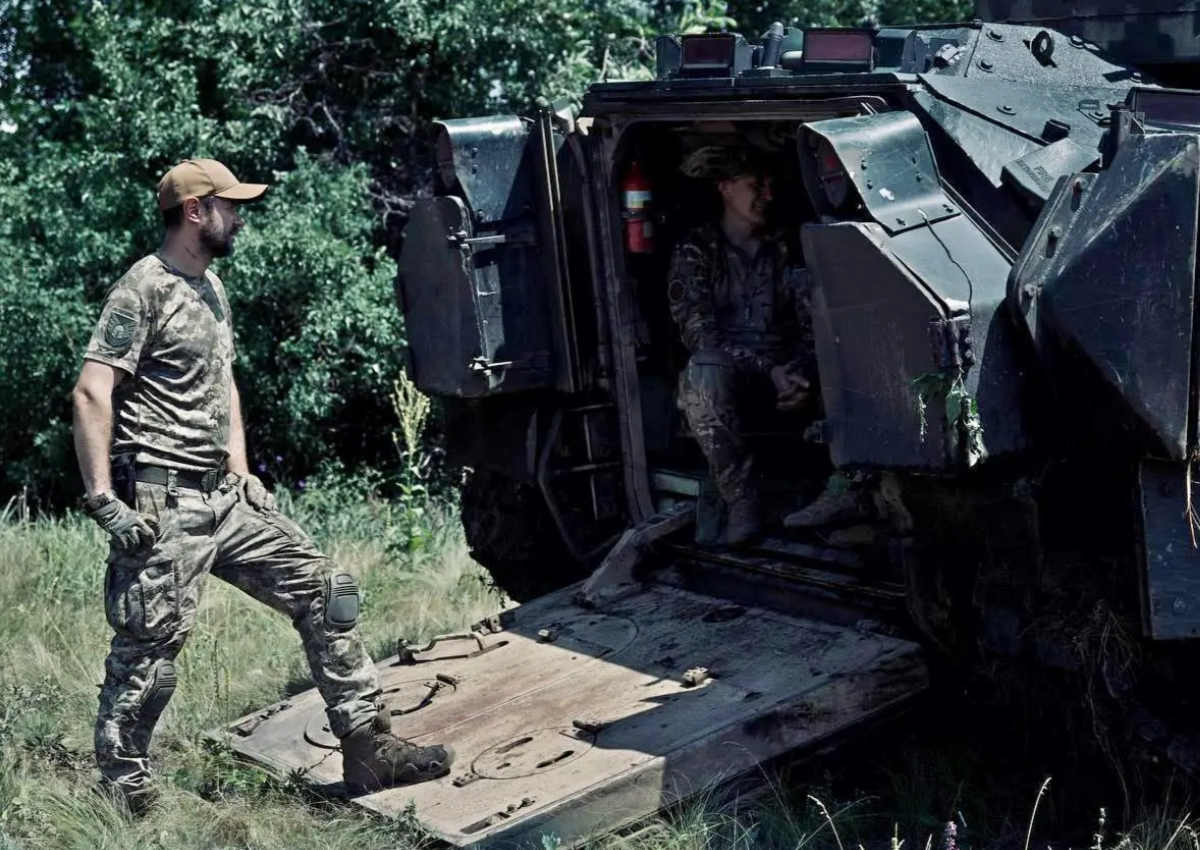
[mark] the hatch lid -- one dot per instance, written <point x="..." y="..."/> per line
<point x="576" y="722"/>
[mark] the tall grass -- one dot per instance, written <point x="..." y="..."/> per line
<point x="240" y="656"/>
<point x="418" y="580"/>
<point x="53" y="639"/>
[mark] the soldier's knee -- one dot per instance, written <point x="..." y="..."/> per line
<point x="342" y="601"/>
<point x="161" y="686"/>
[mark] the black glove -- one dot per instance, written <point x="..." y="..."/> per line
<point x="129" y="529"/>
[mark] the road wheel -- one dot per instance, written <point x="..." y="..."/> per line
<point x="511" y="534"/>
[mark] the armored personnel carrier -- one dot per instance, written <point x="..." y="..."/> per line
<point x="998" y="221"/>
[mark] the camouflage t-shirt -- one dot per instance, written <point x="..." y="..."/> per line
<point x="755" y="308"/>
<point x="172" y="335"/>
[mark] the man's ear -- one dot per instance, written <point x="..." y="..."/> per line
<point x="192" y="210"/>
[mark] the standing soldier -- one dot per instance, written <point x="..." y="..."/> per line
<point x="159" y="436"/>
<point x="731" y="296"/>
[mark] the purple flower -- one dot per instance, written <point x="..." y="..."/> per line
<point x="300" y="484"/>
<point x="950" y="836"/>
<point x="262" y="466"/>
<point x="278" y="459"/>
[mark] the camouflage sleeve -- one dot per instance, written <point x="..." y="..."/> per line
<point x="804" y="349"/>
<point x="748" y="360"/>
<point x="690" y="293"/>
<point x="121" y="333"/>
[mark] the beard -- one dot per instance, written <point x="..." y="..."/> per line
<point x="217" y="242"/>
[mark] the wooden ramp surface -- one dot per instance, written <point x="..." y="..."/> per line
<point x="576" y="722"/>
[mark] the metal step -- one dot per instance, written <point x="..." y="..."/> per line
<point x="834" y="585"/>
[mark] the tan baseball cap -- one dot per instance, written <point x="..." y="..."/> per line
<point x="199" y="178"/>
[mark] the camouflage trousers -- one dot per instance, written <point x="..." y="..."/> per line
<point x="710" y="389"/>
<point x="151" y="599"/>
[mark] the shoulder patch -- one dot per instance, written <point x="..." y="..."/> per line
<point x="675" y="292"/>
<point x="118" y="330"/>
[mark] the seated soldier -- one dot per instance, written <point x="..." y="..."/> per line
<point x="743" y="323"/>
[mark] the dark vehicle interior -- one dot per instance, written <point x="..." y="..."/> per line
<point x="789" y="467"/>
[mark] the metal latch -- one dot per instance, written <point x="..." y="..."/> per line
<point x="953" y="347"/>
<point x="414" y="655"/>
<point x="947" y="55"/>
<point x="482" y="366"/>
<point x="515" y="236"/>
<point x="538" y="361"/>
<point x="461" y="239"/>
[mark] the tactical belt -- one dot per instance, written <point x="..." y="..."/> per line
<point x="205" y="482"/>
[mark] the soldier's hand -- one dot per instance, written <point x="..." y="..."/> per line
<point x="130" y="530"/>
<point x="791" y="388"/>
<point x="255" y="493"/>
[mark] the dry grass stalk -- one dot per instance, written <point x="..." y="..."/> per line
<point x="828" y="819"/>
<point x="1033" y="814"/>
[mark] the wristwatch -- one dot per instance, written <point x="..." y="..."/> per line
<point x="93" y="503"/>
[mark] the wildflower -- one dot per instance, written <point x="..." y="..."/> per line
<point x="950" y="836"/>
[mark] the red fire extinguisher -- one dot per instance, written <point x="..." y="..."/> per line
<point x="635" y="210"/>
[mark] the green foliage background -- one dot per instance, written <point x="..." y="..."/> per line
<point x="326" y="100"/>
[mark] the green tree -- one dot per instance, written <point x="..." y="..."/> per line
<point x="327" y="99"/>
<point x="134" y="88"/>
<point x="324" y="98"/>
<point x="319" y="338"/>
<point x="756" y="15"/>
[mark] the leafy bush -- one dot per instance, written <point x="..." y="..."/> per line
<point x="317" y="332"/>
<point x="319" y="337"/>
<point x="756" y="15"/>
<point x="97" y="100"/>
<point x="328" y="100"/>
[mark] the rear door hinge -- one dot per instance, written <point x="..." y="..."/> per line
<point x="952" y="346"/>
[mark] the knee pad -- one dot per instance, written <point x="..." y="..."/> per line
<point x="162" y="686"/>
<point x="341" y="601"/>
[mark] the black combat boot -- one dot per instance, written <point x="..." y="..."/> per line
<point x="134" y="801"/>
<point x="744" y="522"/>
<point x="374" y="758"/>
<point x="841" y="501"/>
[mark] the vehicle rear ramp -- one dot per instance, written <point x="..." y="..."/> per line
<point x="577" y="722"/>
